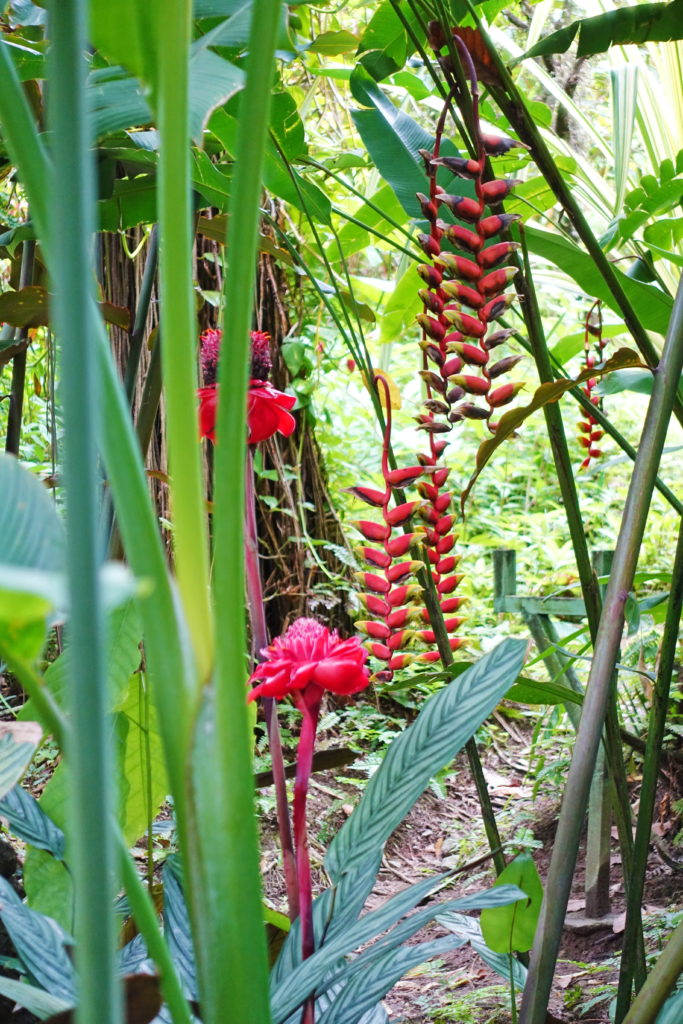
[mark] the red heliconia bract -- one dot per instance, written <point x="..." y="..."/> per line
<point x="589" y="428"/>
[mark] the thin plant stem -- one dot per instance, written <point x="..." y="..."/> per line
<point x="141" y="313"/>
<point x="259" y="635"/>
<point x="648" y="789"/>
<point x="660" y="982"/>
<point x="548" y="935"/>
<point x="91" y="796"/>
<point x="590" y="588"/>
<point x="16" y="400"/>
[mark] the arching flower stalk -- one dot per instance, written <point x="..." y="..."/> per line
<point x="391" y="593"/>
<point x="593" y="354"/>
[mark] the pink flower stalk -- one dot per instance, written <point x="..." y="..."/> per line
<point x="307" y="660"/>
<point x="268" y="410"/>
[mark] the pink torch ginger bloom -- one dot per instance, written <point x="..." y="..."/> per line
<point x="309" y="654"/>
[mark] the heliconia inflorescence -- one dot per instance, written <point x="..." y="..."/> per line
<point x="391" y="595"/>
<point x="594" y="344"/>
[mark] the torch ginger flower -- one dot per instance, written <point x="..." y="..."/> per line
<point x="268" y="410"/>
<point x="307" y="660"/>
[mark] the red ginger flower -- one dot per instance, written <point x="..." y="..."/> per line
<point x="267" y="408"/>
<point x="310" y="655"/>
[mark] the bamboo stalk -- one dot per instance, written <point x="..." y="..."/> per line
<point x="660" y="982"/>
<point x="91" y="796"/>
<point x="655" y="734"/>
<point x="548" y="935"/>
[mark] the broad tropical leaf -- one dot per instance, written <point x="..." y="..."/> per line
<point x="18" y="743"/>
<point x="511" y="929"/>
<point x="640" y="23"/>
<point x="28" y="821"/>
<point x="40" y="944"/>
<point x="445" y="724"/>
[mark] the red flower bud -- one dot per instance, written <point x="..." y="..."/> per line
<point x="432" y="301"/>
<point x="490" y="226"/>
<point x="400" y="514"/>
<point x="428" y="208"/>
<point x="430" y="275"/>
<point x="377" y="630"/>
<point x="495" y="191"/>
<point x="495" y="254"/>
<point x="375" y="557"/>
<point x="462" y="293"/>
<point x="437" y="407"/>
<point x="398" y="661"/>
<point x="463" y="168"/>
<point x="401" y="617"/>
<point x="432" y="380"/>
<point x="459" y="266"/>
<point x="380" y="651"/>
<point x="463" y="238"/>
<point x="375" y="605"/>
<point x="398" y="640"/>
<point x="504" y="394"/>
<point x="372" y="581"/>
<point x="442" y="502"/>
<point x="403" y="477"/>
<point x="428" y="491"/>
<point x="472" y="385"/>
<point x="503" y="366"/>
<point x="497" y="145"/>
<point x="496" y="307"/>
<point x="368" y="495"/>
<point x="446" y="565"/>
<point x="470" y="411"/>
<point x="449" y="583"/>
<point x="404" y="594"/>
<point x="429" y="245"/>
<point x="469" y="326"/>
<point x="452" y="366"/>
<point x="472" y="354"/>
<point x="445" y="544"/>
<point x="463" y="207"/>
<point x="370" y="530"/>
<point x="402" y="571"/>
<point x="444" y="524"/>
<point x="432" y="351"/>
<point x="451" y="604"/>
<point x="398" y="546"/>
<point x="432" y="328"/>
<point x="439" y="476"/>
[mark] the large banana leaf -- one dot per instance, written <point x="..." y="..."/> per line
<point x="641" y="23"/>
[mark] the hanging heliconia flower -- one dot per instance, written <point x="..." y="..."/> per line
<point x="465" y="291"/>
<point x="594" y="344"/>
<point x="391" y="594"/>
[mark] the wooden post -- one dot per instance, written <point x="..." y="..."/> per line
<point x="504" y="576"/>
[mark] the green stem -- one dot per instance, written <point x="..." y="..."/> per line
<point x="660" y="982"/>
<point x="589" y="584"/>
<point x="235" y="938"/>
<point x="141" y="312"/>
<point x="648" y="789"/>
<point x="91" y="778"/>
<point x="549" y="932"/>
<point x="174" y="200"/>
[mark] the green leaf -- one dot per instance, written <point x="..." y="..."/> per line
<point x="639" y="381"/>
<point x="143" y="785"/>
<point x="28" y="821"/>
<point x="133" y="202"/>
<point x="40" y="944"/>
<point x="213" y="81"/>
<point x="572" y="344"/>
<point x="329" y="44"/>
<point x="532" y="691"/>
<point x="652" y="305"/>
<point x="401" y="308"/>
<point x="359" y="995"/>
<point x="287" y="126"/>
<point x="126" y="33"/>
<point x="18" y="743"/>
<point x="392" y="139"/>
<point x="511" y="928"/>
<point x="177" y="926"/>
<point x="672" y="1011"/>
<point x="469" y="929"/>
<point x="38" y="1002"/>
<point x="543" y="395"/>
<point x="445" y="724"/>
<point x="640" y="23"/>
<point x="48" y="884"/>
